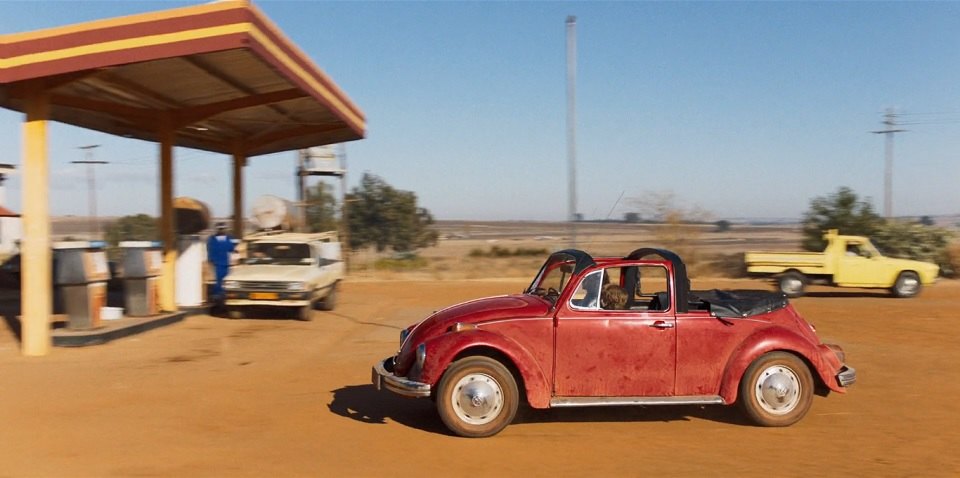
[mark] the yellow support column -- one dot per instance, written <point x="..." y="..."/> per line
<point x="239" y="161"/>
<point x="36" y="294"/>
<point x="168" y="299"/>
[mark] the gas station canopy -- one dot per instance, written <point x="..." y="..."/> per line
<point x="220" y="75"/>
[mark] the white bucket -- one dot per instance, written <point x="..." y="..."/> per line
<point x="111" y="313"/>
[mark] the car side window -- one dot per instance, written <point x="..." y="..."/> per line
<point x="594" y="287"/>
<point x="650" y="288"/>
<point x="587" y="295"/>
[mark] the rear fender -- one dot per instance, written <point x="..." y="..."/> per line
<point x="769" y="340"/>
<point x="444" y="349"/>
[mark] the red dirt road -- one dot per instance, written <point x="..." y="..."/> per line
<point x="255" y="397"/>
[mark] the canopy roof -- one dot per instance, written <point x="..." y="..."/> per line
<point x="220" y="74"/>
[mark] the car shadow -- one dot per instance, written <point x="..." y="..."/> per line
<point x="633" y="413"/>
<point x="365" y="404"/>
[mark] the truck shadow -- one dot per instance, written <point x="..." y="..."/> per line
<point x="877" y="294"/>
<point x="365" y="404"/>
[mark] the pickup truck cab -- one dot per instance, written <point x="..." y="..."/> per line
<point x="613" y="331"/>
<point x="847" y="261"/>
<point x="286" y="270"/>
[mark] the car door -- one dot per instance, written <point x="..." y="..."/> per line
<point x="861" y="264"/>
<point x="619" y="353"/>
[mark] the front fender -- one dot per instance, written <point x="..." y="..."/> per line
<point x="769" y="340"/>
<point x="443" y="349"/>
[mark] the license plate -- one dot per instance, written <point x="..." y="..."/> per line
<point x="263" y="295"/>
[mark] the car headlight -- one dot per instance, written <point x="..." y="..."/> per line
<point x="838" y="352"/>
<point x="231" y="284"/>
<point x="297" y="286"/>
<point x="403" y="336"/>
<point x="421" y="355"/>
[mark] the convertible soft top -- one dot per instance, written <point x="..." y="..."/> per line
<point x="738" y="303"/>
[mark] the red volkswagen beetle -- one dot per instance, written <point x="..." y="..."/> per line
<point x="614" y="331"/>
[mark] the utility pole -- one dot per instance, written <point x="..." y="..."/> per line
<point x="572" y="126"/>
<point x="890" y="121"/>
<point x="91" y="187"/>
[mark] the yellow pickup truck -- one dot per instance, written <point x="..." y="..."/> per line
<point x="847" y="261"/>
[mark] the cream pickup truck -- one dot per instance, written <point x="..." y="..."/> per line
<point x="286" y="269"/>
<point x="847" y="261"/>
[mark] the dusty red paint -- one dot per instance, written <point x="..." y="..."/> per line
<point x="560" y="351"/>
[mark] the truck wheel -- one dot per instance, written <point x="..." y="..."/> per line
<point x="234" y="313"/>
<point x="477" y="397"/>
<point x="792" y="284"/>
<point x="907" y="284"/>
<point x="776" y="390"/>
<point x="303" y="313"/>
<point x="330" y="301"/>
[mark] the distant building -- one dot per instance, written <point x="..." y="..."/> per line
<point x="10" y="227"/>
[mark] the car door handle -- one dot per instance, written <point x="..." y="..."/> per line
<point x="662" y="325"/>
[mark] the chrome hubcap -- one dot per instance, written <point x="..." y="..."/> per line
<point x="909" y="285"/>
<point x="791" y="286"/>
<point x="477" y="399"/>
<point x="778" y="390"/>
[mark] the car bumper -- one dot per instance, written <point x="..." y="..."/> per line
<point x="383" y="378"/>
<point x="267" y="303"/>
<point x="847" y="376"/>
<point x="271" y="299"/>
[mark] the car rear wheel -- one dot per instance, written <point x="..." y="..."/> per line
<point x="907" y="284"/>
<point x="792" y="284"/>
<point x="776" y="390"/>
<point x="477" y="397"/>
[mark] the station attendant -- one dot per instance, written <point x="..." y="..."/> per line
<point x="219" y="247"/>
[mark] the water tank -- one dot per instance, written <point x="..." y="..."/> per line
<point x="271" y="212"/>
<point x="190" y="215"/>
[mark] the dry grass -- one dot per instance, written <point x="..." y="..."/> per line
<point x="707" y="253"/>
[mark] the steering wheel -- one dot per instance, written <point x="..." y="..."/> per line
<point x="549" y="293"/>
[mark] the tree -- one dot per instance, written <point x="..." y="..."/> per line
<point x="631" y="217"/>
<point x="843" y="211"/>
<point x="927" y="221"/>
<point x="140" y="227"/>
<point x="677" y="227"/>
<point x="321" y="208"/>
<point x="384" y="217"/>
<point x="723" y="225"/>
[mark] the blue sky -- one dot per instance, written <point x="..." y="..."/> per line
<point x="742" y="109"/>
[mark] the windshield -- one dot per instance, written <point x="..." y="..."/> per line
<point x="278" y="253"/>
<point x="553" y="276"/>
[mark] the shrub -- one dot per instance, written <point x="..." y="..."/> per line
<point x="501" y="252"/>
<point x="951" y="268"/>
<point x="400" y="264"/>
<point x="915" y="241"/>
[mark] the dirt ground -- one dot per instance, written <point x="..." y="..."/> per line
<point x="275" y="397"/>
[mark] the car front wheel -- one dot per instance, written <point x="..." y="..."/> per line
<point x="304" y="313"/>
<point x="330" y="301"/>
<point x="907" y="285"/>
<point x="776" y="390"/>
<point x="477" y="397"/>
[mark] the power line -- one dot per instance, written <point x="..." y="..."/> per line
<point x="91" y="186"/>
<point x="890" y="121"/>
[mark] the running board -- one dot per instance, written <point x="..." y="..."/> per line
<point x="560" y="402"/>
